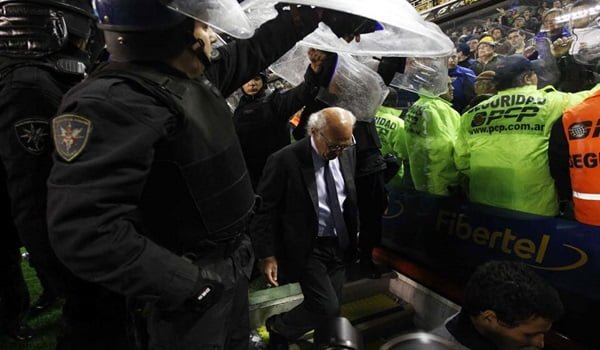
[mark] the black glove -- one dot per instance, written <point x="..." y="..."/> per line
<point x="346" y="25"/>
<point x="305" y="18"/>
<point x="392" y="165"/>
<point x="389" y="66"/>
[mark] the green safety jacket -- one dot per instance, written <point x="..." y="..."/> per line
<point x="431" y="128"/>
<point x="390" y="128"/>
<point x="502" y="148"/>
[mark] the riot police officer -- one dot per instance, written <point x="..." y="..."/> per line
<point x="149" y="195"/>
<point x="42" y="55"/>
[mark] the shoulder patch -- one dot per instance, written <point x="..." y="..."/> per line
<point x="71" y="133"/>
<point x="33" y="134"/>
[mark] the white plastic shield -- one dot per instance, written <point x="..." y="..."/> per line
<point x="354" y="86"/>
<point x="223" y="15"/>
<point x="424" y="76"/>
<point x="404" y="33"/>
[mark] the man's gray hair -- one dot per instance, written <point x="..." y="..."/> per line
<point x="317" y="120"/>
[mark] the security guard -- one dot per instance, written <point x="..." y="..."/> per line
<point x="574" y="159"/>
<point x="390" y="128"/>
<point x="149" y="195"/>
<point x="431" y="127"/>
<point x="42" y="55"/>
<point x="503" y="142"/>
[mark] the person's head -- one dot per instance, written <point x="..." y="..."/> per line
<point x="549" y="20"/>
<point x="514" y="71"/>
<point x="486" y="48"/>
<point x="484" y="83"/>
<point x="473" y="44"/>
<point x="255" y="85"/>
<point x="177" y="32"/>
<point x="462" y="52"/>
<point x="582" y="13"/>
<point x="453" y="60"/>
<point x="331" y="129"/>
<point x="515" y="38"/>
<point x="449" y="94"/>
<point x="519" y="22"/>
<point x="510" y="305"/>
<point x="527" y="14"/>
<point x="557" y="4"/>
<point x="497" y="34"/>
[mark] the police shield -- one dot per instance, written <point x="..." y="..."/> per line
<point x="353" y="86"/>
<point x="425" y="76"/>
<point x="223" y="15"/>
<point x="400" y="32"/>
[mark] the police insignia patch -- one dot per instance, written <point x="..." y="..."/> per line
<point x="33" y="134"/>
<point x="71" y="133"/>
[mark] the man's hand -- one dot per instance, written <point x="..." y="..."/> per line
<point x="322" y="67"/>
<point x="317" y="59"/>
<point x="561" y="46"/>
<point x="269" y="269"/>
<point x="529" y="50"/>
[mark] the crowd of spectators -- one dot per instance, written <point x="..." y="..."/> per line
<point x="537" y="31"/>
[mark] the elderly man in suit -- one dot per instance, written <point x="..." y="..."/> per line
<point x="306" y="227"/>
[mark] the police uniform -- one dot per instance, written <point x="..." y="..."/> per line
<point x="390" y="128"/>
<point x="431" y="127"/>
<point x="14" y="296"/>
<point x="31" y="91"/>
<point x="149" y="194"/>
<point x="502" y="147"/>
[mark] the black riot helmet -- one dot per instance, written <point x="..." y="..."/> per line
<point x="35" y="28"/>
<point x="78" y="14"/>
<point x="151" y="30"/>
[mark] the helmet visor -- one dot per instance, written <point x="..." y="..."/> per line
<point x="223" y="15"/>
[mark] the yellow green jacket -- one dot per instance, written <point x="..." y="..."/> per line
<point x="431" y="127"/>
<point x="390" y="128"/>
<point x="502" y="147"/>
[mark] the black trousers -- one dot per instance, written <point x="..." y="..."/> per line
<point x="14" y="296"/>
<point x="371" y="196"/>
<point x="225" y="325"/>
<point x="93" y="319"/>
<point x="321" y="282"/>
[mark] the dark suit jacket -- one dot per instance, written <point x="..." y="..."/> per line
<point x="286" y="224"/>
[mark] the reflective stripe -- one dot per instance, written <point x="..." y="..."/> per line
<point x="587" y="196"/>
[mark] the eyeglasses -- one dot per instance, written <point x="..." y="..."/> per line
<point x="336" y="148"/>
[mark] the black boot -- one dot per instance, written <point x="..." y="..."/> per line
<point x="276" y="340"/>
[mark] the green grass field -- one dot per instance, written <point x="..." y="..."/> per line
<point x="45" y="325"/>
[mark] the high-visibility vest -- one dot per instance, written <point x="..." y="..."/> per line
<point x="582" y="129"/>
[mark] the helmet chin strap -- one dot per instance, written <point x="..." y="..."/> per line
<point x="201" y="54"/>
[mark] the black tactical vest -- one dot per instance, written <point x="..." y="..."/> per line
<point x="198" y="190"/>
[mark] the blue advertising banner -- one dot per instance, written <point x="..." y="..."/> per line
<point x="450" y="235"/>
